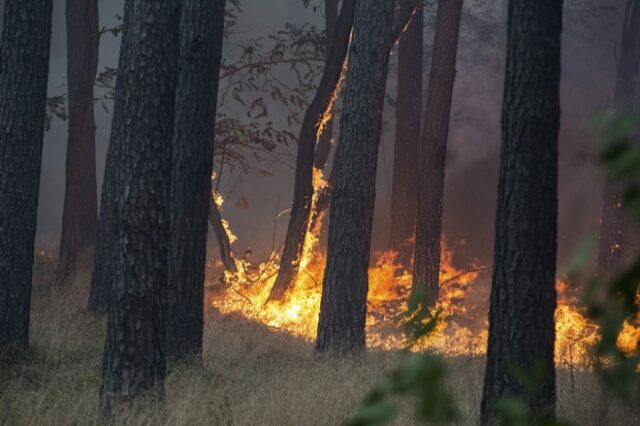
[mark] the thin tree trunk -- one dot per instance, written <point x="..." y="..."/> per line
<point x="323" y="149"/>
<point x="614" y="223"/>
<point x="201" y="31"/>
<point x="24" y="70"/>
<point x="303" y="186"/>
<point x="134" y="354"/>
<point x="406" y="153"/>
<point x="341" y="326"/>
<point x="426" y="264"/>
<point x="80" y="217"/>
<point x="224" y="244"/>
<point x="523" y="294"/>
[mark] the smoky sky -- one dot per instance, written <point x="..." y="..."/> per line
<point x="588" y="77"/>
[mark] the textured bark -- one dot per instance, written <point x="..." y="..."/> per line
<point x="523" y="295"/>
<point x="224" y="244"/>
<point x="341" y="326"/>
<point x="325" y="141"/>
<point x="303" y="186"/>
<point x="201" y="30"/>
<point x="426" y="264"/>
<point x="614" y="241"/>
<point x="80" y="216"/>
<point x="24" y="69"/>
<point x="406" y="153"/>
<point x="134" y="354"/>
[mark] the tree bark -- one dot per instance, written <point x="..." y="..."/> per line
<point x="614" y="222"/>
<point x="224" y="244"/>
<point x="341" y="326"/>
<point x="303" y="186"/>
<point x="80" y="216"/>
<point x="24" y="71"/>
<point x="201" y="31"/>
<point x="426" y="264"/>
<point x="523" y="295"/>
<point x="134" y="354"/>
<point x="406" y="153"/>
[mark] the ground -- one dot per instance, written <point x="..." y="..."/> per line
<point x="251" y="376"/>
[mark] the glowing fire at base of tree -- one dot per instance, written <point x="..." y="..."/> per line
<point x="457" y="332"/>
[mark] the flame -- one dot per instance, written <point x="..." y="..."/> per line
<point x="462" y="328"/>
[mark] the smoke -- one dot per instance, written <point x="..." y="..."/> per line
<point x="474" y="145"/>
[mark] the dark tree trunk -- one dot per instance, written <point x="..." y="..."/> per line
<point x="523" y="294"/>
<point x="24" y="70"/>
<point x="224" y="244"/>
<point x="406" y="153"/>
<point x="323" y="149"/>
<point x="426" y="264"/>
<point x="303" y="186"/>
<point x="201" y="30"/>
<point x="134" y="354"/>
<point x="341" y="327"/>
<point x="80" y="217"/>
<point x="614" y="241"/>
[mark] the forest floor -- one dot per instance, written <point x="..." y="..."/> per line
<point x="251" y="376"/>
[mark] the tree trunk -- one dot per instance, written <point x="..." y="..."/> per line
<point x="613" y="244"/>
<point x="523" y="295"/>
<point x="201" y="30"/>
<point x="343" y="307"/>
<point x="406" y="153"/>
<point x="24" y="71"/>
<point x="303" y="186"/>
<point x="323" y="149"/>
<point x="226" y="255"/>
<point x="134" y="354"/>
<point x="426" y="264"/>
<point x="80" y="217"/>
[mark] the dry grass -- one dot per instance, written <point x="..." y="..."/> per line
<point x="251" y="376"/>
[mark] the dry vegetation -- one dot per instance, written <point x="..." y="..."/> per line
<point x="251" y="376"/>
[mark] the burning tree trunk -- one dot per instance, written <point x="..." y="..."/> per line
<point x="426" y="265"/>
<point x="134" y="354"/>
<point x="224" y="244"/>
<point x="523" y="295"/>
<point x="341" y="325"/>
<point x="201" y="30"/>
<point x="24" y="70"/>
<point x="303" y="186"/>
<point x="326" y="137"/>
<point x="613" y="243"/>
<point x="79" y="221"/>
<point x="404" y="189"/>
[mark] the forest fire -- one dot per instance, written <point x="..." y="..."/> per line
<point x="459" y="331"/>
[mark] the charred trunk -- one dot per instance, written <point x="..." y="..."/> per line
<point x="80" y="216"/>
<point x="341" y="326"/>
<point x="24" y="70"/>
<point x="614" y="241"/>
<point x="523" y="294"/>
<point x="224" y="244"/>
<point x="303" y="186"/>
<point x="406" y="153"/>
<point x="134" y="353"/>
<point x="201" y="30"/>
<point x="426" y="265"/>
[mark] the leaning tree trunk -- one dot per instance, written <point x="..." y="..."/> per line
<point x="325" y="140"/>
<point x="134" y="354"/>
<point x="80" y="217"/>
<point x="343" y="306"/>
<point x="406" y="152"/>
<point x="224" y="243"/>
<point x="426" y="263"/>
<point x="523" y="295"/>
<point x="614" y="223"/>
<point x="303" y="186"/>
<point x="24" y="70"/>
<point x="201" y="30"/>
